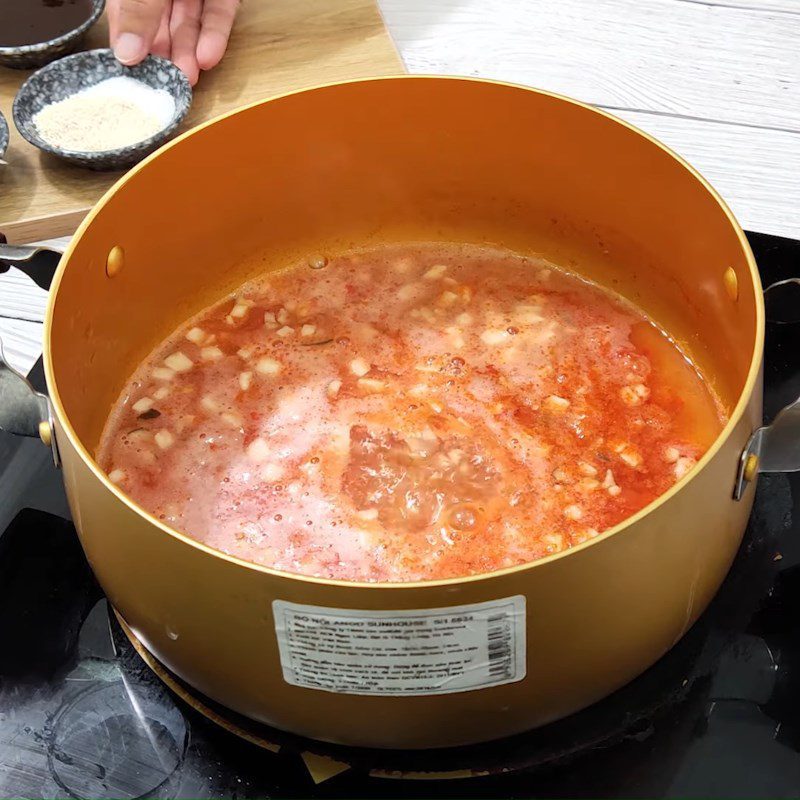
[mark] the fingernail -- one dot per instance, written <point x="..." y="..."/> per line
<point x="129" y="48"/>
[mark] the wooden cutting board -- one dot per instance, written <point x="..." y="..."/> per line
<point x="276" y="46"/>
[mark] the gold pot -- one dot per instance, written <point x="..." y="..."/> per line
<point x="381" y="160"/>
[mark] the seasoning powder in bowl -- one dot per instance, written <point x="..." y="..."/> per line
<point x="117" y="112"/>
<point x="90" y="110"/>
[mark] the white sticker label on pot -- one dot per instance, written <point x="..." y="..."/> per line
<point x="417" y="652"/>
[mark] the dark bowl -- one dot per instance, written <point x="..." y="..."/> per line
<point x="3" y="136"/>
<point x="28" y="56"/>
<point x="69" y="75"/>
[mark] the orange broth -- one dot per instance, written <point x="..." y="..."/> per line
<point x="409" y="412"/>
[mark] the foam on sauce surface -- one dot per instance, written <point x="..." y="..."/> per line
<point x="408" y="413"/>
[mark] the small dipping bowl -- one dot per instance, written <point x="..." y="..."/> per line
<point x="3" y="137"/>
<point x="28" y="56"/>
<point x="68" y="76"/>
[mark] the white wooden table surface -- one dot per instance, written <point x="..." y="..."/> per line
<point x="717" y="80"/>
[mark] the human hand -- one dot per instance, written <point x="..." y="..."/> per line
<point x="191" y="33"/>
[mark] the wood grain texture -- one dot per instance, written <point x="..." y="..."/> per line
<point x="22" y="343"/>
<point x="276" y="47"/>
<point x="35" y="228"/>
<point x="21" y="298"/>
<point x="718" y="80"/>
<point x="775" y="6"/>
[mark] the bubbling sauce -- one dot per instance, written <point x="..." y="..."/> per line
<point x="408" y="413"/>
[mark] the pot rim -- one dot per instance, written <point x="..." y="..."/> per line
<point x="735" y="417"/>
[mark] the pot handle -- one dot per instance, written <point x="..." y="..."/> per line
<point x="771" y="448"/>
<point x="774" y="447"/>
<point x="23" y="410"/>
<point x="21" y="256"/>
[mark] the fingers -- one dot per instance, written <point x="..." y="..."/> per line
<point x="185" y="31"/>
<point x="193" y="33"/>
<point x="134" y="27"/>
<point x="218" y="16"/>
<point x="162" y="44"/>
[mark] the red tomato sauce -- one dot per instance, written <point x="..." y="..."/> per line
<point x="408" y="413"/>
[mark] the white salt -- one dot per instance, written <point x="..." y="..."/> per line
<point x="117" y="112"/>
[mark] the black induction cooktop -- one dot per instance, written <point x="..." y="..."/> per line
<point x="81" y="715"/>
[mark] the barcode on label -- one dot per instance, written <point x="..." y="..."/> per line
<point x="499" y="645"/>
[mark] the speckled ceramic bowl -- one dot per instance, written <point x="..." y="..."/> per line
<point x="35" y="55"/>
<point x="3" y="136"/>
<point x="69" y="75"/>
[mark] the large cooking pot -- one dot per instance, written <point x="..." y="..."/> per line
<point x="381" y="160"/>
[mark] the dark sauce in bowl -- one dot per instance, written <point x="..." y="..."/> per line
<point x="26" y="22"/>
